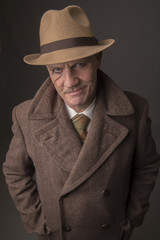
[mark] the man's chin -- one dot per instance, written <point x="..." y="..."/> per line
<point x="77" y="106"/>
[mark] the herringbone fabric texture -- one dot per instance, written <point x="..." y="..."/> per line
<point x="80" y="122"/>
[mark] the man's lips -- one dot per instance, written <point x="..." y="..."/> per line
<point x="75" y="92"/>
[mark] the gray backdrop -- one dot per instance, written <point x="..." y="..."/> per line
<point x="133" y="62"/>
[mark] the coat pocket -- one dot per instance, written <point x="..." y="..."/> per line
<point x="126" y="229"/>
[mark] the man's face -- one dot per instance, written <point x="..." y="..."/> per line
<point x="76" y="81"/>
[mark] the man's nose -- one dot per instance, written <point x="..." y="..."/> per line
<point x="70" y="78"/>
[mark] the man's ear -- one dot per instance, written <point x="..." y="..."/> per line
<point x="99" y="58"/>
<point x="48" y="69"/>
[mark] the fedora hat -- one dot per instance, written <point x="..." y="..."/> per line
<point x="66" y="35"/>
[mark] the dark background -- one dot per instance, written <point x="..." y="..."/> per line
<point x="133" y="62"/>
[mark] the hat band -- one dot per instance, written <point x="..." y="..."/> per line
<point x="68" y="43"/>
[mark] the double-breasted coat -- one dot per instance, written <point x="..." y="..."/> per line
<point x="98" y="190"/>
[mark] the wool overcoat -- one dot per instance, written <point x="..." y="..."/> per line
<point x="68" y="191"/>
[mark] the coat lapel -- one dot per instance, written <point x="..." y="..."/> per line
<point x="57" y="137"/>
<point x="55" y="132"/>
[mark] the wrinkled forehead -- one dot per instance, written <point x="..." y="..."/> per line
<point x="70" y="63"/>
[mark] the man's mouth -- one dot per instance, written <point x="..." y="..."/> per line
<point x="75" y="91"/>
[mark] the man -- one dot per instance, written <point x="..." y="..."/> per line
<point x="92" y="181"/>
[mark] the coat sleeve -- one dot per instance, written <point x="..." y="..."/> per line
<point x="19" y="170"/>
<point x="143" y="173"/>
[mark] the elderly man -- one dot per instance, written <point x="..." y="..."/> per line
<point x="88" y="142"/>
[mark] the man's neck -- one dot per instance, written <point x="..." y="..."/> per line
<point x="88" y="111"/>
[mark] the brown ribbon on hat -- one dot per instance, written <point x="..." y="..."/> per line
<point x="68" y="43"/>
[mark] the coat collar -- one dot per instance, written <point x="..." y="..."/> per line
<point x="116" y="100"/>
<point x="47" y="103"/>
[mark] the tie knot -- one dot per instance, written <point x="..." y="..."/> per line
<point x="80" y="122"/>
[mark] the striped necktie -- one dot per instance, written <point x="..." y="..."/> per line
<point x="80" y="122"/>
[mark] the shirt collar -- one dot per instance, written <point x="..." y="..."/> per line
<point x="88" y="111"/>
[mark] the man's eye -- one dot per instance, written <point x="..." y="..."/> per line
<point x="57" y="70"/>
<point x="81" y="64"/>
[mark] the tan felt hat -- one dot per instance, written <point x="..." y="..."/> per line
<point x="66" y="35"/>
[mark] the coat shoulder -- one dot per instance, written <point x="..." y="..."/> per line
<point x="138" y="102"/>
<point x="21" y="110"/>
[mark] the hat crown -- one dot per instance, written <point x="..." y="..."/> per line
<point x="70" y="22"/>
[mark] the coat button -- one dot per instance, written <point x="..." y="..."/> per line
<point x="106" y="192"/>
<point x="67" y="229"/>
<point x="105" y="225"/>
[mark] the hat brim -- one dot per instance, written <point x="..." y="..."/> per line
<point x="69" y="54"/>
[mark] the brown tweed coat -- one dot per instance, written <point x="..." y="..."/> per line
<point x="98" y="191"/>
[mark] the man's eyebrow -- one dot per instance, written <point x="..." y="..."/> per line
<point x="59" y="65"/>
<point x="55" y="65"/>
<point x="78" y="61"/>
